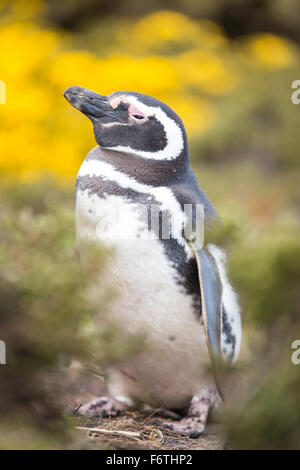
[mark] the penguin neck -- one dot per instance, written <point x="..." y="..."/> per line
<point x="146" y="171"/>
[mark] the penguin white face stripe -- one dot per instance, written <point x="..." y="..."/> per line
<point x="174" y="136"/>
<point x="163" y="195"/>
<point x="113" y="124"/>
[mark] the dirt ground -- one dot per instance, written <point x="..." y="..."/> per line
<point x="131" y="430"/>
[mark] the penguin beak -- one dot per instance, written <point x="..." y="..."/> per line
<point x="89" y="103"/>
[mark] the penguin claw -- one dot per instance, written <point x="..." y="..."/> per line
<point x="195" y="434"/>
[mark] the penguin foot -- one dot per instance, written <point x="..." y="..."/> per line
<point x="103" y="407"/>
<point x="193" y="425"/>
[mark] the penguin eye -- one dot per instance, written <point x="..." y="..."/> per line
<point x="138" y="116"/>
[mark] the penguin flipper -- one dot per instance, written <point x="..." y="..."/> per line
<point x="211" y="302"/>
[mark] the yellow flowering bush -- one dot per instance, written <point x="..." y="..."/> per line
<point x="169" y="31"/>
<point x="268" y="50"/>
<point x="189" y="64"/>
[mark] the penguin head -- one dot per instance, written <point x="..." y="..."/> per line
<point x="132" y="123"/>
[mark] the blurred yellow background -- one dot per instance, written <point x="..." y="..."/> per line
<point x="190" y="64"/>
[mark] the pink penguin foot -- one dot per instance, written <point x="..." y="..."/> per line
<point x="194" y="424"/>
<point x="103" y="407"/>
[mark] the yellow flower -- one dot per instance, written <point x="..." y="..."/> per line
<point x="206" y="71"/>
<point x="26" y="104"/>
<point x="198" y="114"/>
<point x="149" y="75"/>
<point x="75" y="68"/>
<point x="172" y="31"/>
<point x="21" y="9"/>
<point x="24" y="49"/>
<point x="268" y="50"/>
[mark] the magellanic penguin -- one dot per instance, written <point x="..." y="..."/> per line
<point x="171" y="288"/>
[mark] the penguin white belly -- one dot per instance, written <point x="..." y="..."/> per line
<point x="172" y="364"/>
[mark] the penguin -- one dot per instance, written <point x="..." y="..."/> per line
<point x="172" y="286"/>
